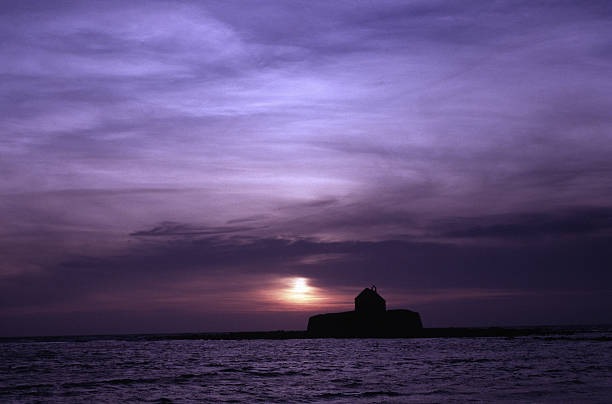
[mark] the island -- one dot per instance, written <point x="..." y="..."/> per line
<point x="370" y="319"/>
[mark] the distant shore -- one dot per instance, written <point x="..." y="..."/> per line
<point x="449" y="332"/>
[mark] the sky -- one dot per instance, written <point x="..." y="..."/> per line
<point x="179" y="166"/>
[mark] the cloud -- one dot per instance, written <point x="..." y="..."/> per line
<point x="526" y="226"/>
<point x="157" y="266"/>
<point x="168" y="229"/>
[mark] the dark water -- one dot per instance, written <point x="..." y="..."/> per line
<point x="576" y="368"/>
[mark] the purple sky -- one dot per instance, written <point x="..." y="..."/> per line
<point x="172" y="166"/>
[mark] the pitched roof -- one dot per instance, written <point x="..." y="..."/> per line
<point x="369" y="294"/>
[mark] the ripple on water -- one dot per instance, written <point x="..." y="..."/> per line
<point x="521" y="369"/>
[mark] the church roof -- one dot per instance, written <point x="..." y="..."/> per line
<point x="370" y="294"/>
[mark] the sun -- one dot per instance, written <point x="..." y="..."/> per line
<point x="300" y="285"/>
<point x="300" y="288"/>
<point x="299" y="291"/>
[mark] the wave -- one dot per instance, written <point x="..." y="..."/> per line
<point x="365" y="394"/>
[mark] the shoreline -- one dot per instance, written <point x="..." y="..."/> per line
<point x="446" y="332"/>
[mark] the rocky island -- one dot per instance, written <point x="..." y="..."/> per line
<point x="369" y="319"/>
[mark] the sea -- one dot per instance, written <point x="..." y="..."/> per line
<point x="551" y="368"/>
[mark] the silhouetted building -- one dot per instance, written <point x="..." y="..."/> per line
<point x="369" y="319"/>
<point x="370" y="302"/>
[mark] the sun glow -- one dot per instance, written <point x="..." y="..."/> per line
<point x="299" y="291"/>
